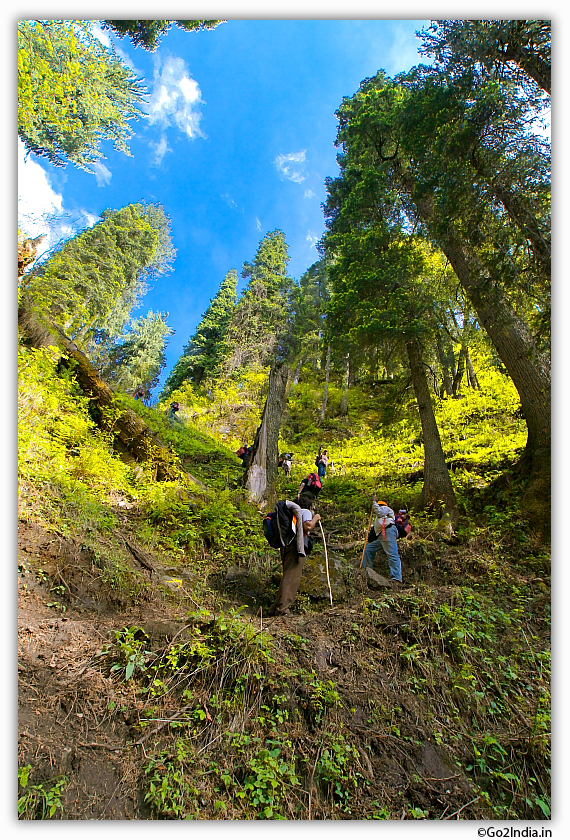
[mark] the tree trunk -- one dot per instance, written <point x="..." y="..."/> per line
<point x="130" y="430"/>
<point x="531" y="63"/>
<point x="447" y="386"/>
<point x="262" y="473"/>
<point x="297" y="372"/>
<point x="460" y="371"/>
<point x="344" y="401"/>
<point x="437" y="492"/>
<point x="526" y="365"/>
<point x="473" y="381"/>
<point x="326" y="390"/>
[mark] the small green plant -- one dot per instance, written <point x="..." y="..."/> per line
<point x="40" y="801"/>
<point x="336" y="769"/>
<point x="130" y="651"/>
<point x="270" y="779"/>
<point x="323" y="696"/>
<point x="171" y="794"/>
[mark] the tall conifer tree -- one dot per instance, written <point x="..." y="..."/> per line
<point x="261" y="327"/>
<point x="206" y="349"/>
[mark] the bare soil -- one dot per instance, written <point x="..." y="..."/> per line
<point x="77" y="721"/>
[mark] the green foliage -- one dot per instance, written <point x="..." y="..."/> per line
<point x="138" y="359"/>
<point x="270" y="780"/>
<point x="67" y="469"/>
<point x="147" y="33"/>
<point x="517" y="49"/>
<point x="171" y="795"/>
<point x="39" y="801"/>
<point x="336" y="769"/>
<point x="260" y="329"/>
<point x="229" y="411"/>
<point x="72" y="92"/>
<point x="206" y="349"/>
<point x="90" y="285"/>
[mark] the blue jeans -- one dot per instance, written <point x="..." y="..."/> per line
<point x="390" y="548"/>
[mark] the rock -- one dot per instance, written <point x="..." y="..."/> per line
<point x="376" y="581"/>
<point x="314" y="581"/>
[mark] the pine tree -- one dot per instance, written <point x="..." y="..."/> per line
<point x="205" y="351"/>
<point x="90" y="286"/>
<point x="139" y="357"/>
<point x="72" y="92"/>
<point x="260" y="329"/>
<point x="147" y="33"/>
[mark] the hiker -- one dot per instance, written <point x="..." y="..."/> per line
<point x="293" y="554"/>
<point x="322" y="461"/>
<point x="286" y="462"/>
<point x="172" y="418"/>
<point x="244" y="452"/>
<point x="139" y="393"/>
<point x="385" y="536"/>
<point x="311" y="485"/>
<point x="403" y="523"/>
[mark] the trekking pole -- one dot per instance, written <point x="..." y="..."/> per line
<point x="366" y="537"/>
<point x="326" y="562"/>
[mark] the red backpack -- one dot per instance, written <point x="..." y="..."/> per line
<point x="313" y="484"/>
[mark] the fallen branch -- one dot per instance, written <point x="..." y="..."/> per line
<point x="455" y="813"/>
<point x="344" y="546"/>
<point x="140" y="556"/>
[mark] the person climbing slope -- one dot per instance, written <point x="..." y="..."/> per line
<point x="293" y="555"/>
<point x="172" y="418"/>
<point x="244" y="452"/>
<point x="311" y="485"/>
<point x="386" y="538"/>
<point x="322" y="462"/>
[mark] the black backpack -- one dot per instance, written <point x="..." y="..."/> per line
<point x="278" y="528"/>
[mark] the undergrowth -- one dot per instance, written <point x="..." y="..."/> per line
<point x="234" y="722"/>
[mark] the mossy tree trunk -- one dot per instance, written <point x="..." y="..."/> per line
<point x="437" y="493"/>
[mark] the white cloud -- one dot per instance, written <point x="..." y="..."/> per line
<point x="102" y="174"/>
<point x="40" y="208"/>
<point x="291" y="166"/>
<point x="309" y="194"/>
<point x="176" y="97"/>
<point x="101" y="35"/>
<point x="258" y="225"/>
<point x="160" y="149"/>
<point x="312" y="238"/>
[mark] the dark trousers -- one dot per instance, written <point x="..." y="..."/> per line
<point x="291" y="580"/>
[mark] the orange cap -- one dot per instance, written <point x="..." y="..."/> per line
<point x="383" y="503"/>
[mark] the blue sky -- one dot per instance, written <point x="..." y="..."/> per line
<point x="238" y="139"/>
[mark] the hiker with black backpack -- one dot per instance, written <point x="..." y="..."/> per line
<point x="298" y="544"/>
<point x="384" y="535"/>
